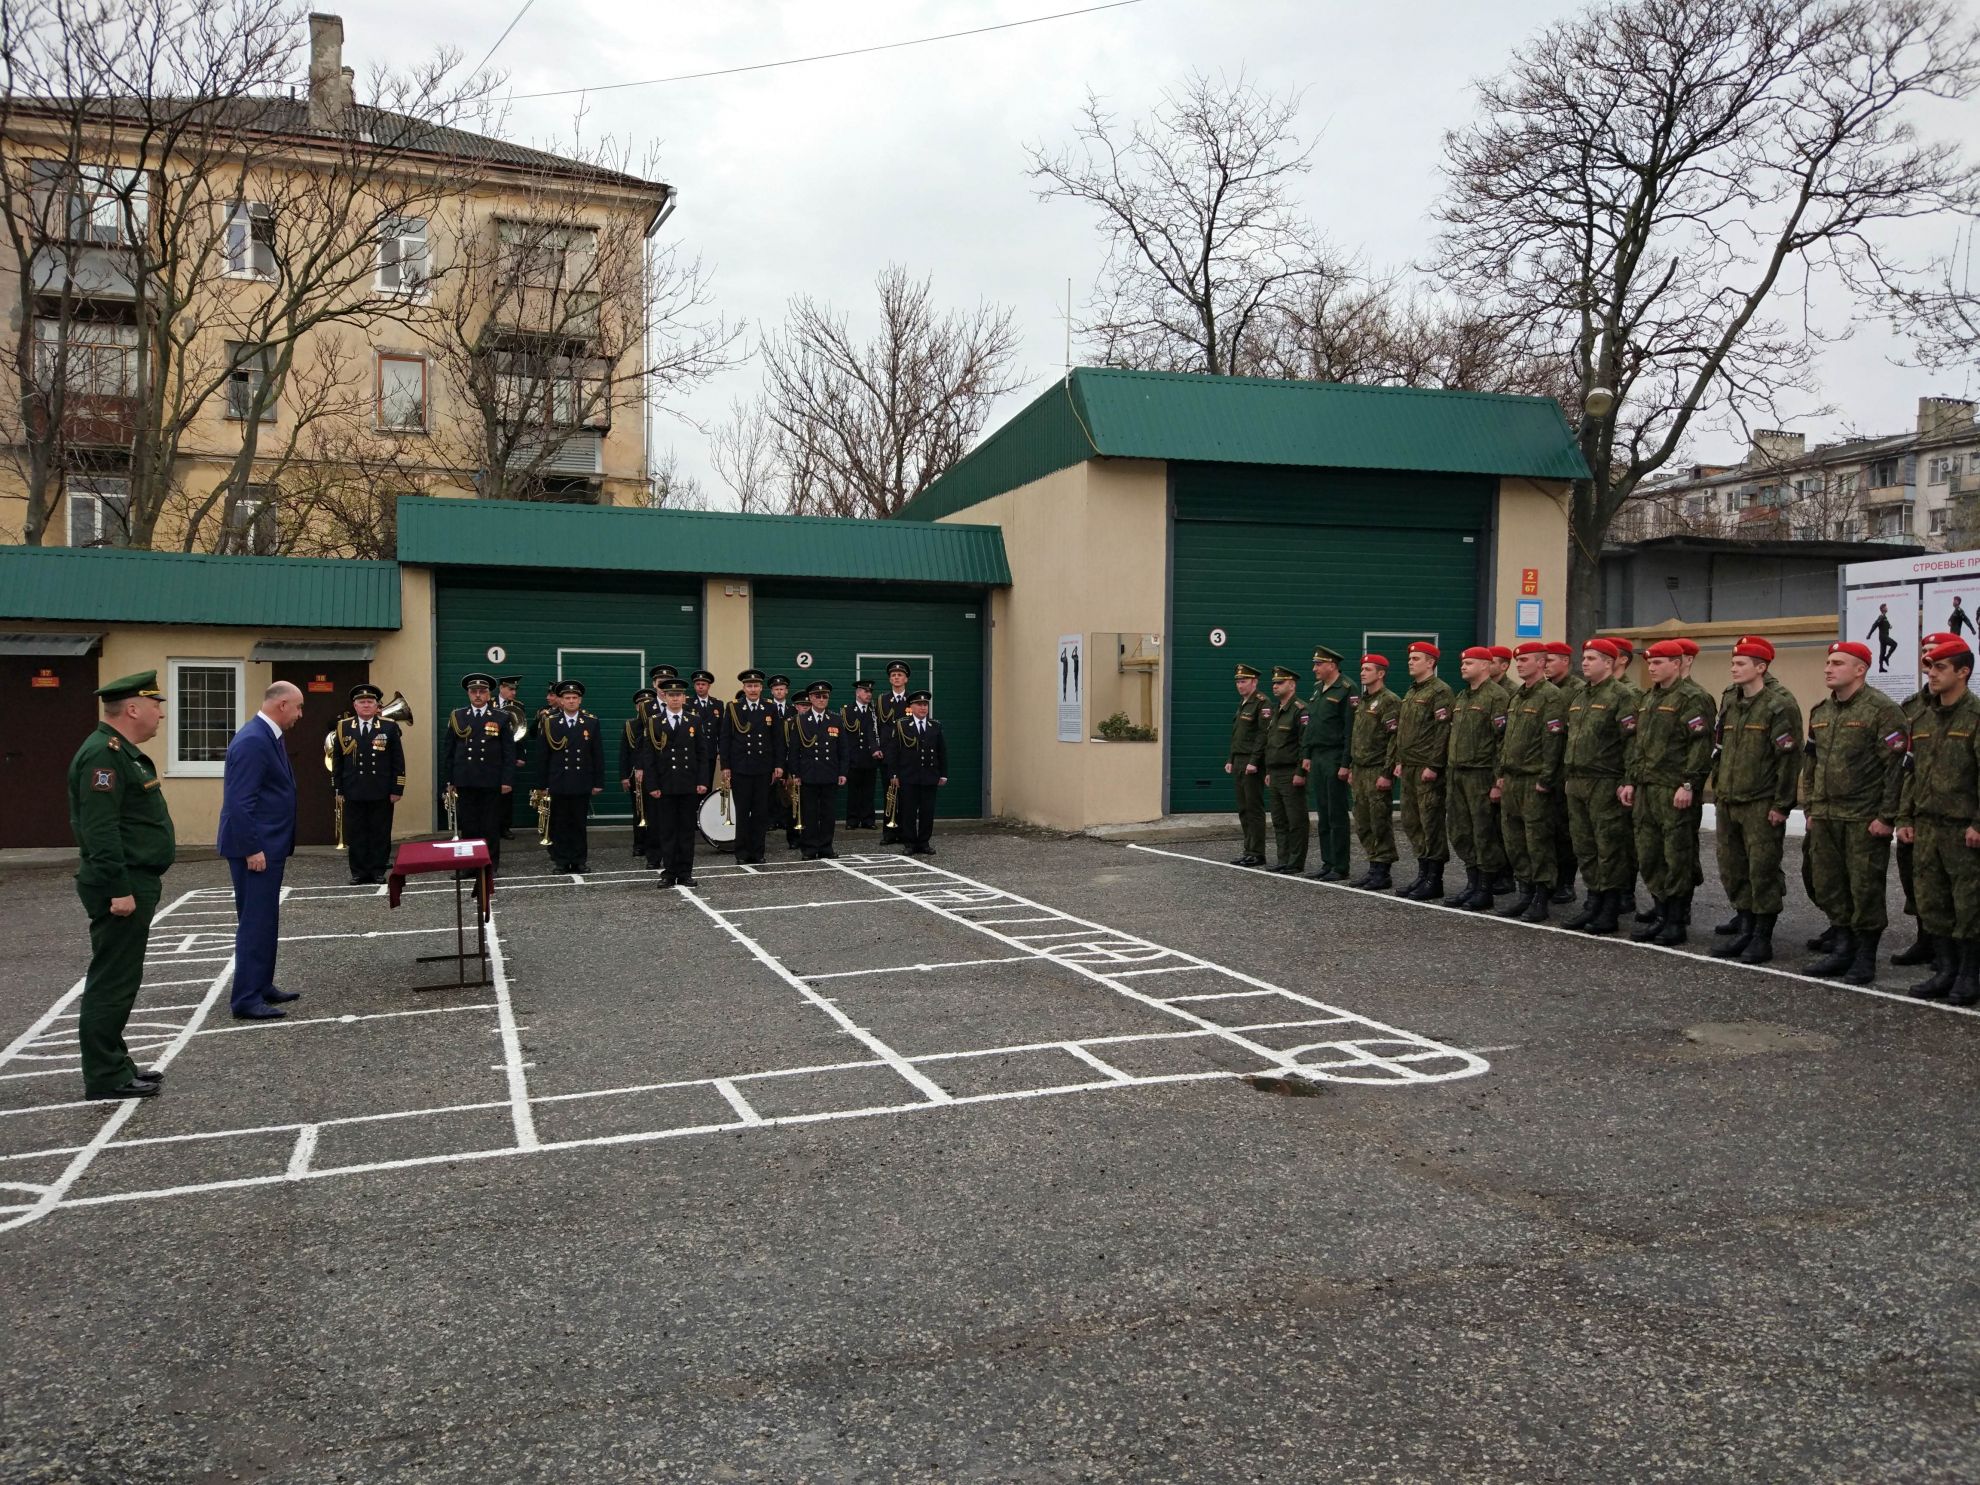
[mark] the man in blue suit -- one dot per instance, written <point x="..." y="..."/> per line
<point x="257" y="835"/>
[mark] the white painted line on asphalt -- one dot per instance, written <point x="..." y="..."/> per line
<point x="901" y="969"/>
<point x="512" y="1057"/>
<point x="1619" y="940"/>
<point x="1106" y="1070"/>
<point x="291" y="1023"/>
<point x="304" y="1151"/>
<point x="787" y="907"/>
<point x="737" y="1102"/>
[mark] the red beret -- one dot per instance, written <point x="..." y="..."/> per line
<point x="1665" y="649"/>
<point x="1605" y="647"/>
<point x="1755" y="648"/>
<point x="1499" y="652"/>
<point x="1950" y="650"/>
<point x="1471" y="652"/>
<point x="1689" y="646"/>
<point x="1851" y="647"/>
<point x="1560" y="647"/>
<point x="1424" y="647"/>
<point x="1381" y="660"/>
<point x="1625" y="646"/>
<point x="1931" y="641"/>
<point x="1541" y="647"/>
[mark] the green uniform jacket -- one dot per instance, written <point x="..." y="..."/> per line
<point x="1377" y="716"/>
<point x="1327" y="731"/>
<point x="117" y="811"/>
<point x="1478" y="723"/>
<point x="1944" y="780"/>
<point x="1673" y="742"/>
<point x="1423" y="740"/>
<point x="1601" y="720"/>
<point x="1570" y="686"/>
<point x="1759" y="748"/>
<point x="1536" y="733"/>
<point x="1248" y="730"/>
<point x="1285" y="735"/>
<point x="1853" y="768"/>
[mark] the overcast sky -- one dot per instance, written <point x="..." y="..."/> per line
<point x="809" y="179"/>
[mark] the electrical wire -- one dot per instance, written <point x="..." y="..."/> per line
<point x="857" y="51"/>
<point x="503" y="37"/>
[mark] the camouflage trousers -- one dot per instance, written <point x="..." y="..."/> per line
<point x="1374" y="819"/>
<point x="1527" y="818"/>
<point x="1945" y="873"/>
<point x="1601" y="833"/>
<point x="1474" y="825"/>
<point x="1423" y="810"/>
<point x="1288" y="817"/>
<point x="1847" y="866"/>
<point x="1251" y="809"/>
<point x="1666" y="841"/>
<point x="1750" y="853"/>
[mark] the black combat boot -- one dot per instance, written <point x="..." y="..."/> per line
<point x="1522" y="900"/>
<point x="1608" y="912"/>
<point x="1946" y="965"/>
<point x="1480" y="900"/>
<point x="1920" y="950"/>
<point x="1502" y="882"/>
<point x="1966" y="985"/>
<point x="1676" y="927"/>
<point x="1563" y="893"/>
<point x="1841" y="955"/>
<point x="1652" y="914"/>
<point x="1735" y="924"/>
<point x="1590" y="908"/>
<point x="1648" y="924"/>
<point x="1378" y="879"/>
<point x="1761" y="949"/>
<point x="1537" y="910"/>
<point x="1825" y="941"/>
<point x="1863" y="968"/>
<point x="1742" y="931"/>
<point x="1462" y="897"/>
<point x="1415" y="889"/>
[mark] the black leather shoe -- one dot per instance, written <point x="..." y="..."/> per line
<point x="150" y="1075"/>
<point x="684" y="881"/>
<point x="666" y="880"/>
<point x="259" y="1011"/>
<point x="281" y="997"/>
<point x="136" y="1088"/>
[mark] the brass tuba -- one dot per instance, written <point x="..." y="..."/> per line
<point x="398" y="709"/>
<point x="518" y="723"/>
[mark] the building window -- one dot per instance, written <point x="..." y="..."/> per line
<point x="401" y="393"/>
<point x="1938" y="519"/>
<point x="251" y="240"/>
<point x="556" y="391"/>
<point x="402" y="256"/>
<point x="101" y="207"/>
<point x="1939" y="467"/>
<point x="250" y="530"/>
<point x="95" y="358"/>
<point x="1883" y="474"/>
<point x="1846" y="483"/>
<point x="204" y="712"/>
<point x="99" y="511"/>
<point x="549" y="258"/>
<point x="1891" y="522"/>
<point x="248" y="392"/>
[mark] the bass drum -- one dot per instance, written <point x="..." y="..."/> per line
<point x="717" y="821"/>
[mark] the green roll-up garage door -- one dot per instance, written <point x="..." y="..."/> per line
<point x="605" y="631"/>
<point x="1280" y="560"/>
<point x="854" y="631"/>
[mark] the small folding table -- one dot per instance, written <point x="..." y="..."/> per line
<point x="468" y="860"/>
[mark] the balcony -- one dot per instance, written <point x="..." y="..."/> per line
<point x="1889" y="495"/>
<point x="92" y="421"/>
<point x="578" y="451"/>
<point x="83" y="271"/>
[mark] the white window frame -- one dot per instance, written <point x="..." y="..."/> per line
<point x="245" y="362"/>
<point x="425" y="423"/>
<point x="87" y="490"/>
<point x="404" y="258"/>
<point x="1936" y="522"/>
<point x="251" y="241"/>
<point x="198" y="768"/>
<point x="1937" y="469"/>
<point x="243" y="517"/>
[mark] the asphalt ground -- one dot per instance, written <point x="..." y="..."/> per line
<point x="697" y="1193"/>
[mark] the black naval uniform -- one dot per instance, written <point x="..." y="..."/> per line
<point x="629" y="745"/>
<point x="479" y="760"/>
<point x="781" y="817"/>
<point x="816" y="753"/>
<point x="889" y="709"/>
<point x="573" y="770"/>
<point x="707" y="713"/>
<point x="917" y="756"/>
<point x="863" y="758"/>
<point x="368" y="768"/>
<point x="750" y="746"/>
<point x="678" y="760"/>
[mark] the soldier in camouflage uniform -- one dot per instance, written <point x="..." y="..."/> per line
<point x="1563" y="677"/>
<point x="1371" y="770"/>
<point x="1753" y="782"/>
<point x="1919" y="950"/>
<point x="1664" y="790"/>
<point x="1529" y="783"/>
<point x="1282" y="760"/>
<point x="1501" y="881"/>
<point x="1601" y="720"/>
<point x="1247" y="737"/>
<point x="1423" y="745"/>
<point x="1326" y="763"/>
<point x="1852" y="774"/>
<point x="1478" y="721"/>
<point x="1940" y="819"/>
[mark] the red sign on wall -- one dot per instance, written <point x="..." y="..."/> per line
<point x="318" y="683"/>
<point x="45" y="680"/>
<point x="1529" y="581"/>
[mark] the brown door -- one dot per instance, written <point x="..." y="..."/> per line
<point x="47" y="707"/>
<point x="326" y="688"/>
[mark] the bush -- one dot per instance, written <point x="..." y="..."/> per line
<point x="1118" y="728"/>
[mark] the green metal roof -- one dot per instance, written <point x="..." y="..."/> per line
<point x="107" y="585"/>
<point x="444" y="532"/>
<point x="1096" y="413"/>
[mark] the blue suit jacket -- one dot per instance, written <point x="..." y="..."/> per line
<point x="258" y="798"/>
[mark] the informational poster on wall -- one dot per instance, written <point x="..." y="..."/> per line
<point x="1885" y="618"/>
<point x="1072" y="692"/>
<point x="1891" y="606"/>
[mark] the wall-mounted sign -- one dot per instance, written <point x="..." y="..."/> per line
<point x="1529" y="580"/>
<point x="1072" y="689"/>
<point x="1217" y="638"/>
<point x="804" y="660"/>
<point x="1527" y="617"/>
<point x="496" y="654"/>
<point x="320" y="685"/>
<point x="45" y="680"/>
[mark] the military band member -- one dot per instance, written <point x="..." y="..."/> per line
<point x="573" y="771"/>
<point x="1478" y="723"/>
<point x="1372" y="771"/>
<point x="1423" y="743"/>
<point x="1601" y="721"/>
<point x="1326" y="757"/>
<point x="1852" y="775"/>
<point x="1940" y="818"/>
<point x="750" y="749"/>
<point x="1753" y="784"/>
<point x="816" y="756"/>
<point x="1247" y="741"/>
<point x="629" y="745"/>
<point x="782" y="817"/>
<point x="506" y="688"/>
<point x="367" y="772"/>
<point x="1282" y="764"/>
<point x="124" y="832"/>
<point x="707" y="709"/>
<point x="1564" y="676"/>
<point x="917" y="756"/>
<point x="891" y="708"/>
<point x="1920" y="949"/>
<point x="864" y="755"/>
<point x="677" y="764"/>
<point x="1665" y="772"/>
<point x="1529" y="783"/>
<point x="478" y="758"/>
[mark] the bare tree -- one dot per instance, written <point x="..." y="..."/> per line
<point x="745" y="449"/>
<point x="1646" y="178"/>
<point x="1940" y="309"/>
<point x="667" y="488"/>
<point x="1204" y="244"/>
<point x="862" y="427"/>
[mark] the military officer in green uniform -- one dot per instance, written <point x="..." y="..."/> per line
<point x="1940" y="819"/>
<point x="1326" y="763"/>
<point x="1919" y="950"/>
<point x="1478" y="722"/>
<point x="1371" y="771"/>
<point x="1852" y="775"/>
<point x="1247" y="739"/>
<point x="1664" y="790"/>
<point x="1563" y="677"/>
<point x="1753" y="784"/>
<point x="1282" y="761"/>
<point x="1423" y="745"/>
<point x="1529" y="783"/>
<point x="1601" y="719"/>
<point x="124" y="832"/>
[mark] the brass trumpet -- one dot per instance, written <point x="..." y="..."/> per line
<point x="540" y="798"/>
<point x="340" y="822"/>
<point x="797" y="805"/>
<point x="893" y="802"/>
<point x="453" y="812"/>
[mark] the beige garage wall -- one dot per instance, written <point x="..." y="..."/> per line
<point x="1088" y="550"/>
<point x="1532" y="531"/>
<point x="727" y="635"/>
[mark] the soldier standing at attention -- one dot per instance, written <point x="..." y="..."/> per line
<point x="478" y="758"/>
<point x="676" y="763"/>
<point x="1940" y="818"/>
<point x="1478" y="722"/>
<point x="1529" y="782"/>
<point x="1371" y="771"/>
<point x="892" y="708"/>
<point x="1919" y="950"/>
<point x="1502" y="879"/>
<point x="750" y="749"/>
<point x="1601" y="720"/>
<point x="817" y="756"/>
<point x="1664" y="790"/>
<point x="1326" y="763"/>
<point x="782" y="816"/>
<point x="706" y="707"/>
<point x="1753" y="782"/>
<point x="1423" y="743"/>
<point x="573" y="771"/>
<point x="506" y="688"/>
<point x="124" y="832"/>
<point x="629" y="742"/>
<point x="1852" y="775"/>
<point x="918" y="756"/>
<point x="368" y="772"/>
<point x="1565" y="678"/>
<point x="1247" y="742"/>
<point x="863" y="755"/>
<point x="1282" y="763"/>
